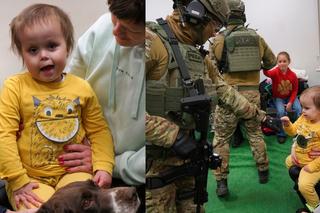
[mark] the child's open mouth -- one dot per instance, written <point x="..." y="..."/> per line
<point x="47" y="68"/>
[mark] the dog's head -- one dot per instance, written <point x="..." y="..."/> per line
<point x="86" y="197"/>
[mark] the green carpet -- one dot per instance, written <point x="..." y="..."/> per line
<point x="246" y="194"/>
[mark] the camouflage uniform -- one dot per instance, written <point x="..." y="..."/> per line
<point x="229" y="98"/>
<point x="226" y="120"/>
<point x="164" y="199"/>
<point x="161" y="199"/>
<point x="162" y="132"/>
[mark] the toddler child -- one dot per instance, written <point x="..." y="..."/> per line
<point x="307" y="131"/>
<point x="56" y="109"/>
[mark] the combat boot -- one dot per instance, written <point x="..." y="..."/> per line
<point x="273" y="123"/>
<point x="222" y="188"/>
<point x="263" y="176"/>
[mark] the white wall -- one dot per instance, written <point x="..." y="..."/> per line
<point x="289" y="25"/>
<point x="83" y="13"/>
<point x="292" y="26"/>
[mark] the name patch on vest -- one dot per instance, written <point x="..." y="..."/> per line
<point x="243" y="41"/>
<point x="192" y="56"/>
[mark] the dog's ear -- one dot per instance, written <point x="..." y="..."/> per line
<point x="45" y="209"/>
<point x="52" y="207"/>
<point x="91" y="183"/>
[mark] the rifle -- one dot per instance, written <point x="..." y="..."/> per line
<point x="197" y="104"/>
<point x="203" y="158"/>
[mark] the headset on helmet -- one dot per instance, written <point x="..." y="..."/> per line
<point x="196" y="13"/>
<point x="193" y="12"/>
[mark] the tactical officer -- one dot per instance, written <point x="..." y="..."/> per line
<point x="170" y="131"/>
<point x="240" y="53"/>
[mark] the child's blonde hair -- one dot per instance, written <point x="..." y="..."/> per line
<point x="39" y="14"/>
<point x="314" y="93"/>
<point x="285" y="54"/>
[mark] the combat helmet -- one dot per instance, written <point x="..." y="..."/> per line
<point x="203" y="10"/>
<point x="218" y="8"/>
<point x="237" y="9"/>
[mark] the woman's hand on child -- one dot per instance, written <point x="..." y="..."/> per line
<point x="294" y="158"/>
<point x="102" y="179"/>
<point x="306" y="168"/>
<point x="285" y="121"/>
<point x="77" y="157"/>
<point x="26" y="196"/>
<point x="314" y="153"/>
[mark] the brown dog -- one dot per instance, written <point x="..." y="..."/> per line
<point x="86" y="197"/>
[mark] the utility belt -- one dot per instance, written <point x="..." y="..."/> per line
<point x="170" y="175"/>
<point x="155" y="183"/>
<point x="167" y="176"/>
<point x="245" y="87"/>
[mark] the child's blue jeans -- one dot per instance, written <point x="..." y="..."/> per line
<point x="281" y="110"/>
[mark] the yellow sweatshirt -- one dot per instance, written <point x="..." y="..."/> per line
<point x="53" y="115"/>
<point x="311" y="132"/>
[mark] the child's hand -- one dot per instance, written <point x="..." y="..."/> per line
<point x="285" y="121"/>
<point x="288" y="107"/>
<point x="25" y="196"/>
<point x="102" y="179"/>
<point x="306" y="168"/>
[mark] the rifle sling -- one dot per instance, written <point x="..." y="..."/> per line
<point x="183" y="70"/>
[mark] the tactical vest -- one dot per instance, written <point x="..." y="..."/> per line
<point x="242" y="50"/>
<point x="163" y="96"/>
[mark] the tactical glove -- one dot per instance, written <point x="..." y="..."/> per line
<point x="273" y="123"/>
<point x="184" y="145"/>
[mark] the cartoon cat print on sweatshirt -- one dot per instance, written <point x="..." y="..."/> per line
<point x="56" y="123"/>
